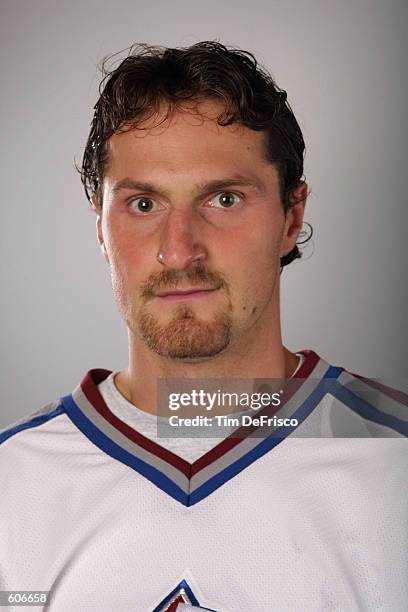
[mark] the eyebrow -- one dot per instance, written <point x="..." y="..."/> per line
<point x="216" y="185"/>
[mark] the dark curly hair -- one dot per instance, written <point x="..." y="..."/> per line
<point x="150" y="75"/>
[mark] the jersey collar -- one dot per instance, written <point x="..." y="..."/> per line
<point x="185" y="482"/>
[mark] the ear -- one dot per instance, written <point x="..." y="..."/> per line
<point x="294" y="219"/>
<point x="99" y="233"/>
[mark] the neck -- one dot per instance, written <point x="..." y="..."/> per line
<point x="257" y="354"/>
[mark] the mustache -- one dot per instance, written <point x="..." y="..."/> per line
<point x="171" y="279"/>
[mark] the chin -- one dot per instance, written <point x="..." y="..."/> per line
<point x="186" y="337"/>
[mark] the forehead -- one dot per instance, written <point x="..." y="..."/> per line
<point x="186" y="136"/>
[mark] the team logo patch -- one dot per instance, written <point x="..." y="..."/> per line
<point x="181" y="598"/>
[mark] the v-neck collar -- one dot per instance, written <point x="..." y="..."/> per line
<point x="185" y="482"/>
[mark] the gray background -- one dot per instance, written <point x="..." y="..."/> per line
<point x="344" y="67"/>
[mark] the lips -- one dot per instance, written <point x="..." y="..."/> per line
<point x="180" y="293"/>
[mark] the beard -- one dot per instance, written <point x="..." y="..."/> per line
<point x="186" y="336"/>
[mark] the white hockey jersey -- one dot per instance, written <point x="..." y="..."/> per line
<point x="309" y="518"/>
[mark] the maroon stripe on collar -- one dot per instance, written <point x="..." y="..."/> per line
<point x="312" y="359"/>
<point x="89" y="387"/>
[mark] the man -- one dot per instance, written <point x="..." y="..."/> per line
<point x="194" y="167"/>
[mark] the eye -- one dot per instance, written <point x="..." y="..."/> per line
<point x="143" y="205"/>
<point x="226" y="199"/>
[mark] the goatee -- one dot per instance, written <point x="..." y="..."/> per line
<point x="186" y="336"/>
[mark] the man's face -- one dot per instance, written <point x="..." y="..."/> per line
<point x="191" y="206"/>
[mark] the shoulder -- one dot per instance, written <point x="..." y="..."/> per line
<point x="52" y="417"/>
<point x="347" y="404"/>
<point x="30" y="446"/>
<point x="380" y="405"/>
<point x="32" y="421"/>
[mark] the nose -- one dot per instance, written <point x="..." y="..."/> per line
<point x="179" y="242"/>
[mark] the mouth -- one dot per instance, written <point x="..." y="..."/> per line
<point x="185" y="294"/>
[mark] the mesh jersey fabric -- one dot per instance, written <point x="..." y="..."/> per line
<point x="308" y="519"/>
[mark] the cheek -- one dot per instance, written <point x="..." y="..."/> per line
<point x="128" y="266"/>
<point x="255" y="262"/>
<point x="124" y="250"/>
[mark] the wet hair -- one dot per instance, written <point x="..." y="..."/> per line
<point x="150" y="76"/>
